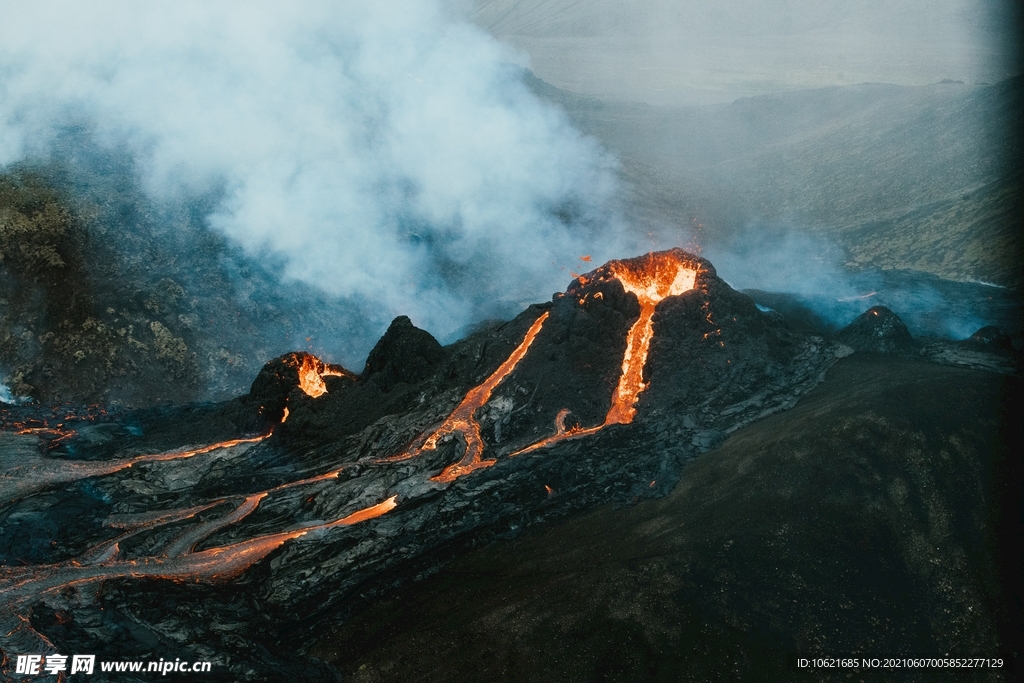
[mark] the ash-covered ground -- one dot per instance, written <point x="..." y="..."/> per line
<point x="256" y="532"/>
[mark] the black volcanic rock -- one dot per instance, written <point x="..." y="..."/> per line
<point x="269" y="391"/>
<point x="404" y="354"/>
<point x="990" y="338"/>
<point x="279" y="379"/>
<point x="715" y="363"/>
<point x="811" y="532"/>
<point x="877" y="330"/>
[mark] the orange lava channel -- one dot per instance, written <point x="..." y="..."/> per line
<point x="25" y="584"/>
<point x="656" y="277"/>
<point x="461" y="419"/>
<point x="177" y="455"/>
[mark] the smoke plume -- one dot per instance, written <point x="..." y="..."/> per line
<point x="389" y="151"/>
<point x="810" y="270"/>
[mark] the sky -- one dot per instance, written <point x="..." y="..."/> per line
<point x="688" y="52"/>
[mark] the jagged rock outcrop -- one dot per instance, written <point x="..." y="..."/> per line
<point x="405" y="354"/>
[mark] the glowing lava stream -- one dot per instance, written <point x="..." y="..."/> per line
<point x="659" y="277"/>
<point x="31" y="472"/>
<point x="461" y="419"/>
<point x="26" y="584"/>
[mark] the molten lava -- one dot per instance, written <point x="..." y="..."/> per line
<point x="651" y="278"/>
<point x="20" y="586"/>
<point x="312" y="371"/>
<point x="658" y="276"/>
<point x="178" y="560"/>
<point x="178" y="455"/>
<point x="371" y="512"/>
<point x="462" y="421"/>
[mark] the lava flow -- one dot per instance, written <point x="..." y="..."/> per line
<point x="462" y="421"/>
<point x="178" y="559"/>
<point x="652" y="278"/>
<point x="28" y="472"/>
<point x="656" y="276"/>
<point x="312" y="372"/>
<point x="179" y="562"/>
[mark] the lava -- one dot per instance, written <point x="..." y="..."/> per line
<point x="561" y="433"/>
<point x="178" y="455"/>
<point x="52" y="434"/>
<point x="651" y="278"/>
<point x="371" y="512"/>
<point x="53" y="429"/>
<point x="27" y="472"/>
<point x="462" y="421"/>
<point x="312" y="371"/>
<point x="20" y="585"/>
<point x="658" y="276"/>
<point x="187" y="540"/>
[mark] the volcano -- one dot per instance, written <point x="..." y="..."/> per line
<point x="232" y="532"/>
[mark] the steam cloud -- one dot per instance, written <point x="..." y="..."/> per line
<point x="388" y="150"/>
<point x="810" y="270"/>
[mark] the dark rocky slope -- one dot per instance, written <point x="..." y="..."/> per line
<point x="442" y="438"/>
<point x="330" y="489"/>
<point x="107" y="297"/>
<point x="881" y="515"/>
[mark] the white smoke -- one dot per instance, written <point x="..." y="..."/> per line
<point x="388" y="150"/>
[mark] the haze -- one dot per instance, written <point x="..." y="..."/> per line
<point x="665" y="52"/>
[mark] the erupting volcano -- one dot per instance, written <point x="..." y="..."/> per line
<point x="312" y="371"/>
<point x="411" y="455"/>
<point x="651" y="278"/>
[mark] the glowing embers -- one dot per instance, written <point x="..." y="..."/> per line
<point x="462" y="421"/>
<point x="652" y="278"/>
<point x="312" y="371"/>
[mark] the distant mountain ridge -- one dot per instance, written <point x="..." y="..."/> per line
<point x="887" y="172"/>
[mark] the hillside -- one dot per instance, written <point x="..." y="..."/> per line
<point x="109" y="298"/>
<point x="898" y="177"/>
<point x="868" y="519"/>
<point x="672" y="53"/>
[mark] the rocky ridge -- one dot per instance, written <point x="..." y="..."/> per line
<point x="235" y="552"/>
